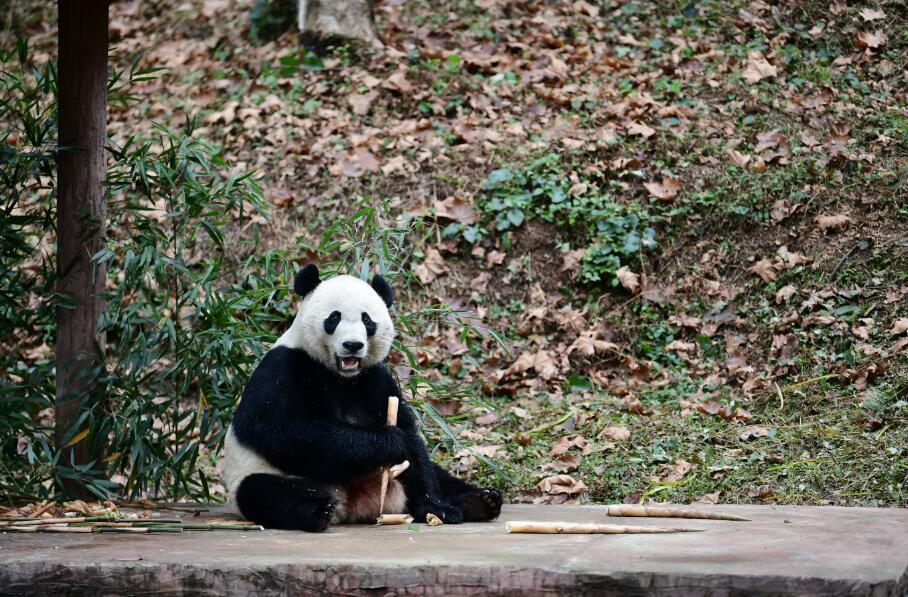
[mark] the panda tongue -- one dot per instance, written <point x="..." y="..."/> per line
<point x="349" y="362"/>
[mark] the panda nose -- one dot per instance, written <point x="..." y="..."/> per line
<point x="353" y="346"/>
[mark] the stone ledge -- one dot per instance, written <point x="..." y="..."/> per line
<point x="784" y="550"/>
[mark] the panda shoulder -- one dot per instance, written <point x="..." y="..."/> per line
<point x="282" y="364"/>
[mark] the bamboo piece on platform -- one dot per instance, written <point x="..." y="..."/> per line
<point x="393" y="403"/>
<point x="153" y="506"/>
<point x="433" y="521"/>
<point x="46" y="529"/>
<point x="389" y="519"/>
<point x="223" y="527"/>
<point x="570" y="528"/>
<point x="667" y="512"/>
<point x="47" y="521"/>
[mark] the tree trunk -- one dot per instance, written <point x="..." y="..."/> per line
<point x="327" y="19"/>
<point x="81" y="216"/>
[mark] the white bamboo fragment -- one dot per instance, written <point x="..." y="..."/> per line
<point x="433" y="520"/>
<point x="667" y="512"/>
<point x="534" y="527"/>
<point x="393" y="403"/>
<point x="387" y="519"/>
<point x="398" y="469"/>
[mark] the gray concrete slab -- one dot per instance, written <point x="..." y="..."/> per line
<point x="783" y="551"/>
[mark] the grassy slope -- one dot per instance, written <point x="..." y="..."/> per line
<point x="491" y="85"/>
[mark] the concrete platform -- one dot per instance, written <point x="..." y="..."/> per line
<point x="783" y="551"/>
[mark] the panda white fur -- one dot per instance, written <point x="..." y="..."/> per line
<point x="308" y="440"/>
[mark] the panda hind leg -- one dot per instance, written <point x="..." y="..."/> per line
<point x="477" y="504"/>
<point x="277" y="502"/>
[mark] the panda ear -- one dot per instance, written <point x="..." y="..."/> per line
<point x="381" y="286"/>
<point x="306" y="280"/>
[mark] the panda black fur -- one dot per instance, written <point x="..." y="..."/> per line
<point x="308" y="439"/>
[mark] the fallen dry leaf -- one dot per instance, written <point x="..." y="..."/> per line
<point x="680" y="346"/>
<point x="791" y="260"/>
<point x="361" y="104"/>
<point x="571" y="259"/>
<point x="638" y="128"/>
<point x="757" y="68"/>
<point x="765" y="269"/>
<point x="708" y="498"/>
<point x="669" y="473"/>
<point x="785" y="293"/>
<point x="398" y="82"/>
<point x="541" y="362"/>
<point x="666" y="190"/>
<point x="587" y="344"/>
<point x="566" y="443"/>
<point x="281" y="197"/>
<point x="899" y="327"/>
<point x="432" y="266"/>
<point x="563" y="464"/>
<point x="738" y="159"/>
<point x="615" y="434"/>
<point x="628" y="279"/>
<point x="872" y="39"/>
<point x="752" y="433"/>
<point x="835" y="222"/>
<point x="561" y="484"/>
<point x="456" y="209"/>
<point x="872" y="14"/>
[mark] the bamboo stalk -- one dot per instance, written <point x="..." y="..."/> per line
<point x="63" y="520"/>
<point x="153" y="506"/>
<point x="223" y="527"/>
<point x="388" y="519"/>
<point x="393" y="403"/>
<point x="534" y="527"/>
<point x="47" y="529"/>
<point x="667" y="512"/>
<point x="398" y="469"/>
<point x="160" y="529"/>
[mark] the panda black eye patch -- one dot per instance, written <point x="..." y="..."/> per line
<point x="370" y="325"/>
<point x="332" y="321"/>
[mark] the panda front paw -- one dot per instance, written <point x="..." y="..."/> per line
<point x="480" y="505"/>
<point x="447" y="513"/>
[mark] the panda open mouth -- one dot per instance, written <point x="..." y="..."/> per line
<point x="348" y="364"/>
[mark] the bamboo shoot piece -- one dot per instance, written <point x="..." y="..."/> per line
<point x="398" y="469"/>
<point x="667" y="512"/>
<point x="571" y="528"/>
<point x="393" y="403"/>
<point x="433" y="521"/>
<point x="387" y="519"/>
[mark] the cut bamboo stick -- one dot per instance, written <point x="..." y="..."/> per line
<point x="47" y="529"/>
<point x="223" y="527"/>
<point x="388" y="519"/>
<point x="667" y="512"/>
<point x="528" y="526"/>
<point x="153" y="506"/>
<point x="63" y="520"/>
<point x="398" y="469"/>
<point x="393" y="403"/>
<point x="122" y="526"/>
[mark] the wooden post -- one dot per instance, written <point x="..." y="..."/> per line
<point x="81" y="211"/>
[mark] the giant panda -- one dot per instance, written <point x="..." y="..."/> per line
<point x="309" y="438"/>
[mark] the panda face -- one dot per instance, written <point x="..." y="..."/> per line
<point x="343" y="323"/>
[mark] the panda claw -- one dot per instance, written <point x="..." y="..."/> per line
<point x="481" y="505"/>
<point x="321" y="518"/>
